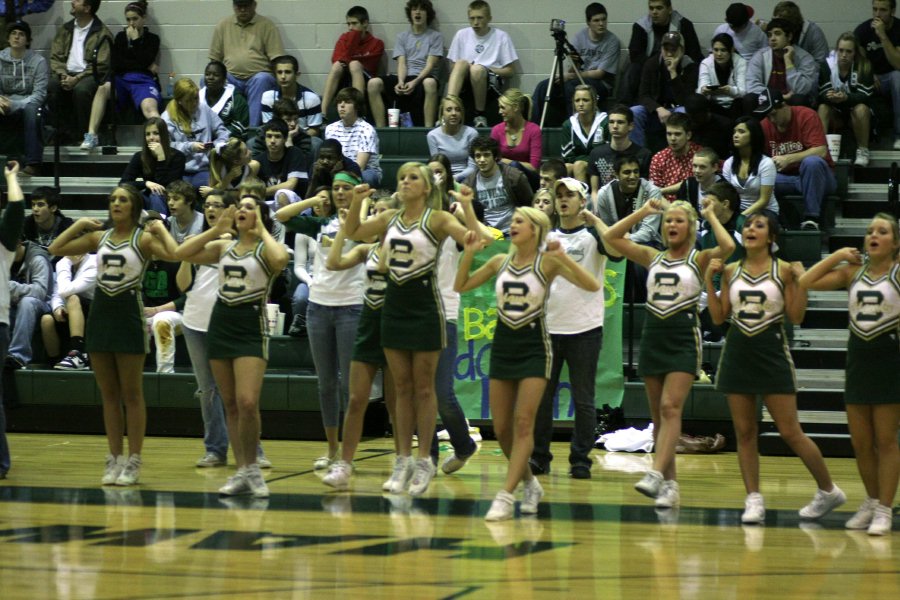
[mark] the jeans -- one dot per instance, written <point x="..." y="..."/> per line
<point x="198" y="179"/>
<point x="215" y="432"/>
<point x="890" y="86"/>
<point x="646" y="122"/>
<point x="299" y="303"/>
<point x="156" y="202"/>
<point x="451" y="412"/>
<point x="253" y="89"/>
<point x="25" y="316"/>
<point x="372" y="177"/>
<point x="28" y="120"/>
<point x="164" y="327"/>
<point x="581" y="352"/>
<point x="332" y="331"/>
<point x="4" y="446"/>
<point x="815" y="182"/>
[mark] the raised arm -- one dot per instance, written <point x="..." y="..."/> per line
<point x="795" y="297"/>
<point x="71" y="241"/>
<point x="724" y="242"/>
<point x="466" y="281"/>
<point x="274" y="252"/>
<point x="719" y="303"/>
<point x="353" y="228"/>
<point x="615" y="235"/>
<point x="338" y="261"/>
<point x="159" y="241"/>
<point x="830" y="274"/>
<point x="206" y="247"/>
<point x="563" y="265"/>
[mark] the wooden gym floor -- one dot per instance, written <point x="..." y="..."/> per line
<point x="62" y="535"/>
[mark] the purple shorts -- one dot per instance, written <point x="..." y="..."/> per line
<point x="137" y="87"/>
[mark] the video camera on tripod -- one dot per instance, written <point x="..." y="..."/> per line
<point x="564" y="49"/>
<point x="558" y="31"/>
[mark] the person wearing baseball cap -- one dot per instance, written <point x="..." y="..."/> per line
<point x="783" y="66"/>
<point x="747" y="36"/>
<point x="666" y="82"/>
<point x="880" y="36"/>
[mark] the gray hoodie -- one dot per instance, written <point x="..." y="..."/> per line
<point x="23" y="81"/>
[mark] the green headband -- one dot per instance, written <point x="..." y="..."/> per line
<point x="347" y="178"/>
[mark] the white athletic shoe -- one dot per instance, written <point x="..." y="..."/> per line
<point x="863" y="517"/>
<point x="211" y="459"/>
<point x="823" y="503"/>
<point x="650" y="484"/>
<point x="502" y="508"/>
<point x="131" y="472"/>
<point x="754" y="509"/>
<point x="531" y="497"/>
<point x="256" y="482"/>
<point x="338" y="475"/>
<point x="422" y="476"/>
<point x="236" y="485"/>
<point x="669" y="496"/>
<point x="882" y="521"/>
<point x="114" y="466"/>
<point x="403" y="472"/>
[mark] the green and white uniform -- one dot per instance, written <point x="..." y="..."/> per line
<point x="521" y="346"/>
<point x="367" y="348"/>
<point x="756" y="358"/>
<point x="670" y="340"/>
<point x="116" y="321"/>
<point x="237" y="326"/>
<point x="873" y="351"/>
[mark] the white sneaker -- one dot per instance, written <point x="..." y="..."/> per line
<point x="650" y="484"/>
<point x="338" y="475"/>
<point x="323" y="462"/>
<point x="422" y="476"/>
<point x="480" y="122"/>
<point x="256" y="482"/>
<point x="863" y="517"/>
<point x="403" y="472"/>
<point x="236" y="485"/>
<point x="131" y="472"/>
<point x="454" y="462"/>
<point x="669" y="495"/>
<point x="823" y="503"/>
<point x="90" y="142"/>
<point x="533" y="492"/>
<point x="263" y="462"/>
<point x="882" y="520"/>
<point x="114" y="466"/>
<point x="862" y="157"/>
<point x="754" y="509"/>
<point x="502" y="508"/>
<point x="211" y="459"/>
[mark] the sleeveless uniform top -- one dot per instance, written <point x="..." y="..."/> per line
<point x="874" y="303"/>
<point x="120" y="265"/>
<point x="376" y="281"/>
<point x="414" y="247"/>
<point x="673" y="285"/>
<point x="756" y="302"/>
<point x="243" y="278"/>
<point x="521" y="292"/>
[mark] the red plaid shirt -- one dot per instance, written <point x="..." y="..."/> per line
<point x="667" y="169"/>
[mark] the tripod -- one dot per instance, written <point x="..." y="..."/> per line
<point x="563" y="51"/>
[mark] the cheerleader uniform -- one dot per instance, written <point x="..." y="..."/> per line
<point x="237" y="326"/>
<point x="521" y="346"/>
<point x="756" y="358"/>
<point x="116" y="321"/>
<point x="670" y="340"/>
<point x="367" y="347"/>
<point x="873" y="351"/>
<point x="413" y="313"/>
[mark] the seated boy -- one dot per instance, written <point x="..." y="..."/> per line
<point x="356" y="56"/>
<point x="359" y="140"/>
<point x="282" y="168"/>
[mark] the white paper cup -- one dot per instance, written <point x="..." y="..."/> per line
<point x="834" y="145"/>
<point x="393" y="117"/>
<point x="279" y="327"/>
<point x="271" y="318"/>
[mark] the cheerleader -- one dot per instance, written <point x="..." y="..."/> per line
<point x="116" y="333"/>
<point x="756" y="294"/>
<point x="413" y="330"/>
<point x="873" y="363"/>
<point x="237" y="337"/>
<point x="520" y="354"/>
<point x="670" y="341"/>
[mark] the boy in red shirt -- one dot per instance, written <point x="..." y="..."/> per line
<point x="356" y="57"/>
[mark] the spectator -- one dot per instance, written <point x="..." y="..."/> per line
<point x="454" y="137"/>
<point x="442" y="178"/>
<point x="359" y="140"/>
<point x="30" y="284"/>
<point x="704" y="167"/>
<point x="746" y="35"/>
<point x="163" y="307"/>
<point x="134" y="71"/>
<point x="246" y="43"/>
<point x="807" y="34"/>
<point x="552" y="170"/>
<point x="184" y="219"/>
<point x="582" y="132"/>
<point x="783" y="66"/>
<point x="666" y="82"/>
<point x="881" y="41"/>
<point x="355" y="60"/>
<point x="624" y="195"/>
<point x="749" y="171"/>
<point x="419" y="53"/>
<point x="671" y="166"/>
<point x="602" y="158"/>
<point x="283" y="169"/>
<point x="71" y="86"/>
<point x="229" y="165"/>
<point x="23" y="90"/>
<point x="46" y="221"/>
<point x="520" y="140"/>
<point x="224" y="100"/>
<point x="155" y="166"/>
<point x="845" y="94"/>
<point x="482" y="56"/>
<point x="305" y="248"/>
<point x="796" y="142"/>
<point x="710" y="128"/>
<point x="329" y="162"/>
<point x="498" y="187"/>
<point x="70" y="304"/>
<point x="599" y="51"/>
<point x="193" y="130"/>
<point x="646" y="41"/>
<point x="723" y="76"/>
<point x="305" y="121"/>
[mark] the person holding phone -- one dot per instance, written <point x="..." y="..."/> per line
<point x="723" y="76"/>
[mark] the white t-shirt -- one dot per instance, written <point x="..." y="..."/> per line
<point x="493" y="50"/>
<point x="571" y="309"/>
<point x="201" y="298"/>
<point x="749" y="189"/>
<point x="448" y="259"/>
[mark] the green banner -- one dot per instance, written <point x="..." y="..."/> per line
<point x="478" y="318"/>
